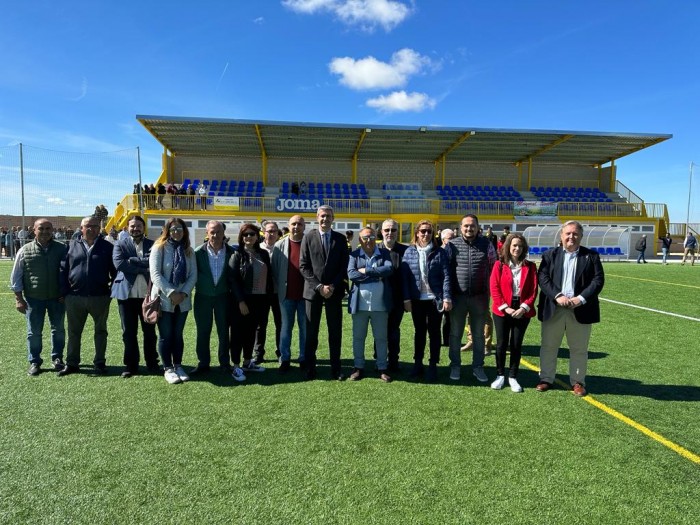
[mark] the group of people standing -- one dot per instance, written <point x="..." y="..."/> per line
<point x="299" y="277"/>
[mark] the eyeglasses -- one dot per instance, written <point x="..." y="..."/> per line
<point x="368" y="237"/>
<point x="425" y="232"/>
<point x="390" y="230"/>
<point x="176" y="229"/>
<point x="250" y="234"/>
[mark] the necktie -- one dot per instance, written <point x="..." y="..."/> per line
<point x="326" y="242"/>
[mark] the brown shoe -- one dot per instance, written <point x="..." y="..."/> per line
<point x="356" y="374"/>
<point x="384" y="376"/>
<point x="579" y="390"/>
<point x="543" y="386"/>
<point x="467" y="346"/>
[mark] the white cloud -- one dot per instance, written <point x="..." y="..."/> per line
<point x="370" y="73"/>
<point x="365" y="14"/>
<point x="259" y="20"/>
<point x="402" y="101"/>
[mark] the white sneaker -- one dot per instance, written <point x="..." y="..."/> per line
<point x="480" y="375"/>
<point x="252" y="366"/>
<point x="171" y="376"/>
<point x="514" y="385"/>
<point x="181" y="373"/>
<point x="455" y="373"/>
<point x="498" y="383"/>
<point x="238" y="374"/>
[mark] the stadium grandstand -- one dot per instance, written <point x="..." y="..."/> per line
<point x="241" y="170"/>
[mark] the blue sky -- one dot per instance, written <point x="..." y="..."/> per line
<point x="76" y="73"/>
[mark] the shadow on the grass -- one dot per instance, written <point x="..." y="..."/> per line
<point x="632" y="387"/>
<point x="534" y="351"/>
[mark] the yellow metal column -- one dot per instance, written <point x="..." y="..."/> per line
<point x="263" y="154"/>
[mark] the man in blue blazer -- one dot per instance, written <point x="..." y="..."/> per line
<point x="571" y="278"/>
<point x="323" y="264"/>
<point x="130" y="258"/>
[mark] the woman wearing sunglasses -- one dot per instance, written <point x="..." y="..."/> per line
<point x="251" y="284"/>
<point x="426" y="293"/>
<point x="173" y="269"/>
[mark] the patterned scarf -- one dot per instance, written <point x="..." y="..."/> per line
<point x="179" y="274"/>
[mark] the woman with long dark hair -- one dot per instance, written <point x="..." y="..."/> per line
<point x="173" y="269"/>
<point x="251" y="284"/>
<point x="426" y="293"/>
<point x="513" y="294"/>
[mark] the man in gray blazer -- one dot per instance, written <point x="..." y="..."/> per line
<point x="130" y="256"/>
<point x="323" y="263"/>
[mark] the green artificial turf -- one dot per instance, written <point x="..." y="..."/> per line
<point x="276" y="449"/>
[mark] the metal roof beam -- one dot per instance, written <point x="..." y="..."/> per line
<point x="454" y="145"/>
<point x="545" y="148"/>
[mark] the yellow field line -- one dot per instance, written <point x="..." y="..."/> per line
<point x="687" y="454"/>
<point x="652" y="281"/>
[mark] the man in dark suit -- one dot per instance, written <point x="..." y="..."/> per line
<point x="323" y="263"/>
<point x="211" y="302"/>
<point x="130" y="256"/>
<point x="571" y="277"/>
<point x="390" y="234"/>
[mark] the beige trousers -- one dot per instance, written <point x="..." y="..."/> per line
<point x="577" y="337"/>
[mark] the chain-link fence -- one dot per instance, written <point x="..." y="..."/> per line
<point x="62" y="186"/>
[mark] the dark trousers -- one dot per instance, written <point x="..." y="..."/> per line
<point x="513" y="331"/>
<point x="171" y="345"/>
<point x="261" y="332"/>
<point x="426" y="321"/>
<point x="393" y="327"/>
<point x="334" y="323"/>
<point x="207" y="311"/>
<point x="258" y="307"/>
<point x="131" y="315"/>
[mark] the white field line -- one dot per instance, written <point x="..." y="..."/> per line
<point x="650" y="309"/>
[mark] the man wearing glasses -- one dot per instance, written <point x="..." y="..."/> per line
<point x="390" y="234"/>
<point x="35" y="282"/>
<point x="271" y="234"/>
<point x="323" y="263"/>
<point x="471" y="258"/>
<point x="87" y="272"/>
<point x="370" y="301"/>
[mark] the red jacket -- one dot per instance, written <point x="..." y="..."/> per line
<point x="502" y="287"/>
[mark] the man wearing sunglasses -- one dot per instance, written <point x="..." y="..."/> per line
<point x="390" y="235"/>
<point x="370" y="301"/>
<point x="323" y="263"/>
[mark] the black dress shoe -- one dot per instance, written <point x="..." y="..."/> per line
<point x="101" y="369"/>
<point x="68" y="369"/>
<point x="34" y="369"/>
<point x="310" y="373"/>
<point x="128" y="373"/>
<point x="154" y="368"/>
<point x="200" y="369"/>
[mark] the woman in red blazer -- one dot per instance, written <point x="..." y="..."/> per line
<point x="513" y="294"/>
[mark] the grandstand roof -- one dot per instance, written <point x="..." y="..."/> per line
<point x="189" y="136"/>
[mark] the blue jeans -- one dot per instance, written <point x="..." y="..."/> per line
<point x="288" y="308"/>
<point x="477" y="307"/>
<point x="360" y="322"/>
<point x="641" y="257"/>
<point x="36" y="313"/>
<point x="664" y="251"/>
<point x="171" y="326"/>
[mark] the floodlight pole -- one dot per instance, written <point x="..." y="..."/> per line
<point x="21" y="181"/>
<point x="138" y="163"/>
<point x="690" y="184"/>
